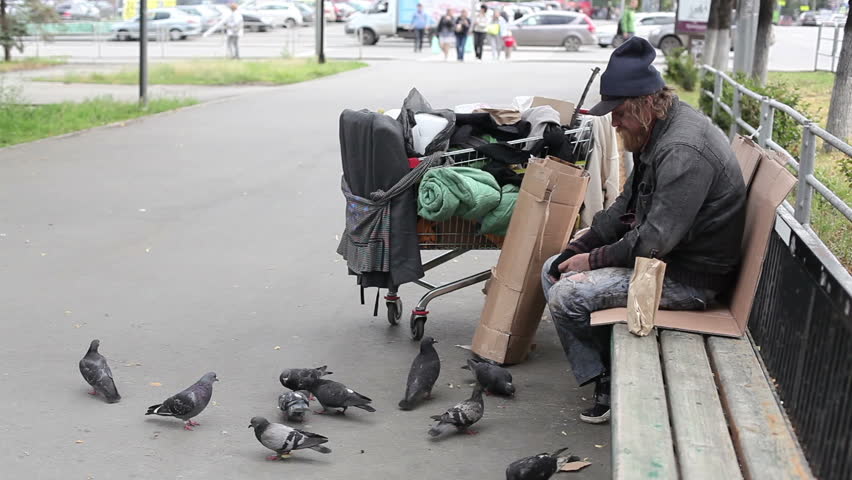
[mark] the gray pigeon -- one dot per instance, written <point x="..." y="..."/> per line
<point x="538" y="467"/>
<point x="331" y="394"/>
<point x="294" y="405"/>
<point x="283" y="439"/>
<point x="302" y="378"/>
<point x="423" y="374"/>
<point x="493" y="378"/>
<point x="461" y="416"/>
<point x="188" y="403"/>
<point x="96" y="372"/>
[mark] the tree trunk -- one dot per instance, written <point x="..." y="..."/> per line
<point x="722" y="55"/>
<point x="840" y="110"/>
<point x="763" y="41"/>
<point x="710" y="36"/>
<point x="4" y="31"/>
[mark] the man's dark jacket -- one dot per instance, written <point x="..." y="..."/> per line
<point x="684" y="203"/>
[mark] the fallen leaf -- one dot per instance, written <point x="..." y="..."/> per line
<point x="450" y="385"/>
<point x="563" y="433"/>
<point x="147" y="249"/>
<point x="79" y="441"/>
<point x="224" y="432"/>
<point x="215" y="403"/>
<point x="277" y="347"/>
<point x="574" y="466"/>
<point x="133" y="364"/>
<point x="599" y="446"/>
<point x="155" y="384"/>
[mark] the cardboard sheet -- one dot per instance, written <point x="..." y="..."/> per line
<point x="770" y="183"/>
<point x="545" y="214"/>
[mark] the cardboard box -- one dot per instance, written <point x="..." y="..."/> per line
<point x="565" y="109"/>
<point x="545" y="214"/>
<point x="767" y="183"/>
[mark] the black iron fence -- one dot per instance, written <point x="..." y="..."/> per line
<point x="802" y="323"/>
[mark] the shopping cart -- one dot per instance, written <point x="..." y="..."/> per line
<point x="458" y="236"/>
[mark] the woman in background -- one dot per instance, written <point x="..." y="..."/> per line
<point x="462" y="28"/>
<point x="447" y="32"/>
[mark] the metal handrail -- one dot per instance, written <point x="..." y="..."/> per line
<point x="808" y="183"/>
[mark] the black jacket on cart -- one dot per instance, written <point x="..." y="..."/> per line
<point x="372" y="148"/>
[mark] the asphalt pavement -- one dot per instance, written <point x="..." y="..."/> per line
<point x="204" y="239"/>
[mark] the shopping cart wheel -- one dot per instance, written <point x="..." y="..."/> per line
<point x="418" y="326"/>
<point x="394" y="311"/>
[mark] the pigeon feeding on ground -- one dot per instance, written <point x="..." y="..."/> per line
<point x="461" y="416"/>
<point x="493" y="378"/>
<point x="188" y="403"/>
<point x="538" y="467"/>
<point x="283" y="439"/>
<point x="294" y="405"/>
<point x="331" y="394"/>
<point x="96" y="372"/>
<point x="302" y="378"/>
<point x="423" y="374"/>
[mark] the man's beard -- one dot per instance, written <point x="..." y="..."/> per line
<point x="632" y="143"/>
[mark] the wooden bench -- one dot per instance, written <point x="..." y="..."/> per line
<point x="692" y="406"/>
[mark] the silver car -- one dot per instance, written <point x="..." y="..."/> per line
<point x="163" y="23"/>
<point x="554" y="29"/>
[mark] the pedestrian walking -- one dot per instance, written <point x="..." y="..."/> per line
<point x="493" y="31"/>
<point x="447" y="33"/>
<point x="419" y="23"/>
<point x="480" y="25"/>
<point x="627" y="23"/>
<point x="506" y="38"/>
<point x="234" y="30"/>
<point x="462" y="29"/>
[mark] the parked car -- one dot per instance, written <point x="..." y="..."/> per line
<point x="308" y="12"/>
<point x="342" y="11"/>
<point x="252" y="21"/>
<point x="209" y="15"/>
<point x="78" y="11"/>
<point x="645" y="24"/>
<point x="106" y="9"/>
<point x="280" y="14"/>
<point x="552" y="29"/>
<point x="177" y="24"/>
<point x="809" y="19"/>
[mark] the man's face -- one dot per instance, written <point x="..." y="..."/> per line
<point x="632" y="133"/>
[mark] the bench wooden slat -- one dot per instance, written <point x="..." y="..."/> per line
<point x="642" y="440"/>
<point x="766" y="446"/>
<point x="701" y="436"/>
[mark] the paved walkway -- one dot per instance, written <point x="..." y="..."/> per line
<point x="204" y="240"/>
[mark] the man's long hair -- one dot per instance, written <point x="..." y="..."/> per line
<point x="650" y="107"/>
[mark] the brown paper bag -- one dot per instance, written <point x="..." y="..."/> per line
<point x="643" y="296"/>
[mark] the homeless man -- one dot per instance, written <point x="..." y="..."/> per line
<point x="684" y="203"/>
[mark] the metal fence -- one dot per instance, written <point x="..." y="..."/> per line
<point x="802" y="314"/>
<point x="829" y="41"/>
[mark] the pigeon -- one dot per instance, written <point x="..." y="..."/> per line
<point x="188" y="403"/>
<point x="423" y="374"/>
<point x="331" y="394"/>
<point x="294" y="405"/>
<point x="461" y="416"/>
<point x="493" y="378"/>
<point x="283" y="439"/>
<point x="96" y="372"/>
<point x="302" y="378"/>
<point x="538" y="467"/>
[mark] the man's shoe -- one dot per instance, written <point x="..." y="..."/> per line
<point x="600" y="413"/>
<point x="597" y="414"/>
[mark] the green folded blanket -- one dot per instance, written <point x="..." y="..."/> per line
<point x="497" y="221"/>
<point x="457" y="191"/>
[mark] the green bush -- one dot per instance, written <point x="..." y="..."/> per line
<point x="681" y="69"/>
<point x="785" y="130"/>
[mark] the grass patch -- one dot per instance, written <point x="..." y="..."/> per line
<point x="220" y="72"/>
<point x="687" y="96"/>
<point x="30" y="64"/>
<point x="25" y="123"/>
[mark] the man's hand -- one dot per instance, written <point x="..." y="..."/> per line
<point x="577" y="263"/>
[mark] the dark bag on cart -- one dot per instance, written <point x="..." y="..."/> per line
<point x="413" y="105"/>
